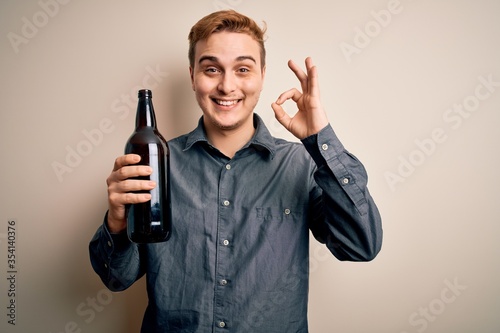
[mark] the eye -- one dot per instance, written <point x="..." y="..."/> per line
<point x="211" y="70"/>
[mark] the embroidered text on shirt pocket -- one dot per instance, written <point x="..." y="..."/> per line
<point x="278" y="214"/>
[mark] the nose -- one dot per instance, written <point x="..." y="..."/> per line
<point x="227" y="83"/>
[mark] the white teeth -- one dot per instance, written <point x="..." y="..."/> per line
<point x="226" y="103"/>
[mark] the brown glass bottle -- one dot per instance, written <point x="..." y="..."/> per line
<point x="150" y="222"/>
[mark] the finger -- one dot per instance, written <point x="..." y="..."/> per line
<point x="126" y="172"/>
<point x="309" y="63"/>
<point x="133" y="185"/>
<point x="126" y="160"/>
<point x="293" y="94"/>
<point x="132" y="171"/>
<point x="281" y="116"/>
<point x="312" y="73"/>
<point x="125" y="192"/>
<point x="133" y="198"/>
<point x="299" y="73"/>
<point x="122" y="199"/>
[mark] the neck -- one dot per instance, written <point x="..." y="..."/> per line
<point x="229" y="142"/>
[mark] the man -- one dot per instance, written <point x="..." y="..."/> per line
<point x="243" y="202"/>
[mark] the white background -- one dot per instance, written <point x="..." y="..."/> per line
<point x="392" y="73"/>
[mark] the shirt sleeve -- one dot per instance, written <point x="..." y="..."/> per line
<point x="115" y="258"/>
<point x="343" y="214"/>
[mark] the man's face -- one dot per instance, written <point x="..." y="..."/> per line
<point x="227" y="79"/>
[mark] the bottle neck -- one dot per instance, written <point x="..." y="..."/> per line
<point x="145" y="113"/>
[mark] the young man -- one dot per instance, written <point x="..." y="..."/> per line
<point x="243" y="202"/>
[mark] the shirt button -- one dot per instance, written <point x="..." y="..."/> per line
<point x="226" y="203"/>
<point x="109" y="243"/>
<point x="228" y="166"/>
<point x="225" y="242"/>
<point x="222" y="324"/>
<point x="105" y="265"/>
<point x="223" y="282"/>
<point x="287" y="211"/>
<point x="324" y="146"/>
<point x="345" y="181"/>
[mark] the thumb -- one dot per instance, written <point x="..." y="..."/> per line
<point x="281" y="116"/>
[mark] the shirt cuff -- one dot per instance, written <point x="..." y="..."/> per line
<point x="323" y="146"/>
<point x="115" y="242"/>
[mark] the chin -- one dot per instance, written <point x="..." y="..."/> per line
<point x="226" y="125"/>
<point x="226" y="121"/>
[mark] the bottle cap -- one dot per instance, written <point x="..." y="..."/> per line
<point x="145" y="93"/>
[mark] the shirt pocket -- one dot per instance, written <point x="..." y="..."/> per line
<point x="280" y="214"/>
<point x="283" y="245"/>
<point x="282" y="222"/>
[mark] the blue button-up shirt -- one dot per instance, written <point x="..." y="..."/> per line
<point x="237" y="258"/>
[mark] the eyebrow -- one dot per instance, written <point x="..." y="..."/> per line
<point x="215" y="59"/>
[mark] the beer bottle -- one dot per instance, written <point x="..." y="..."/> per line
<point x="150" y="222"/>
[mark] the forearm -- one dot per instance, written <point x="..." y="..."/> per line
<point x="343" y="213"/>
<point x="114" y="258"/>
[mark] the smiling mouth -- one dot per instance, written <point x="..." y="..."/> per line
<point x="225" y="102"/>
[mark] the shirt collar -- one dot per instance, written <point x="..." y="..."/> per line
<point x="261" y="140"/>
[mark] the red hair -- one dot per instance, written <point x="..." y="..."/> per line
<point x="225" y="20"/>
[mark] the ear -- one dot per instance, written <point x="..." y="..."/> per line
<point x="191" y="75"/>
<point x="263" y="76"/>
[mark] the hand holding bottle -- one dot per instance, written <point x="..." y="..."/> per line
<point x="120" y="188"/>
